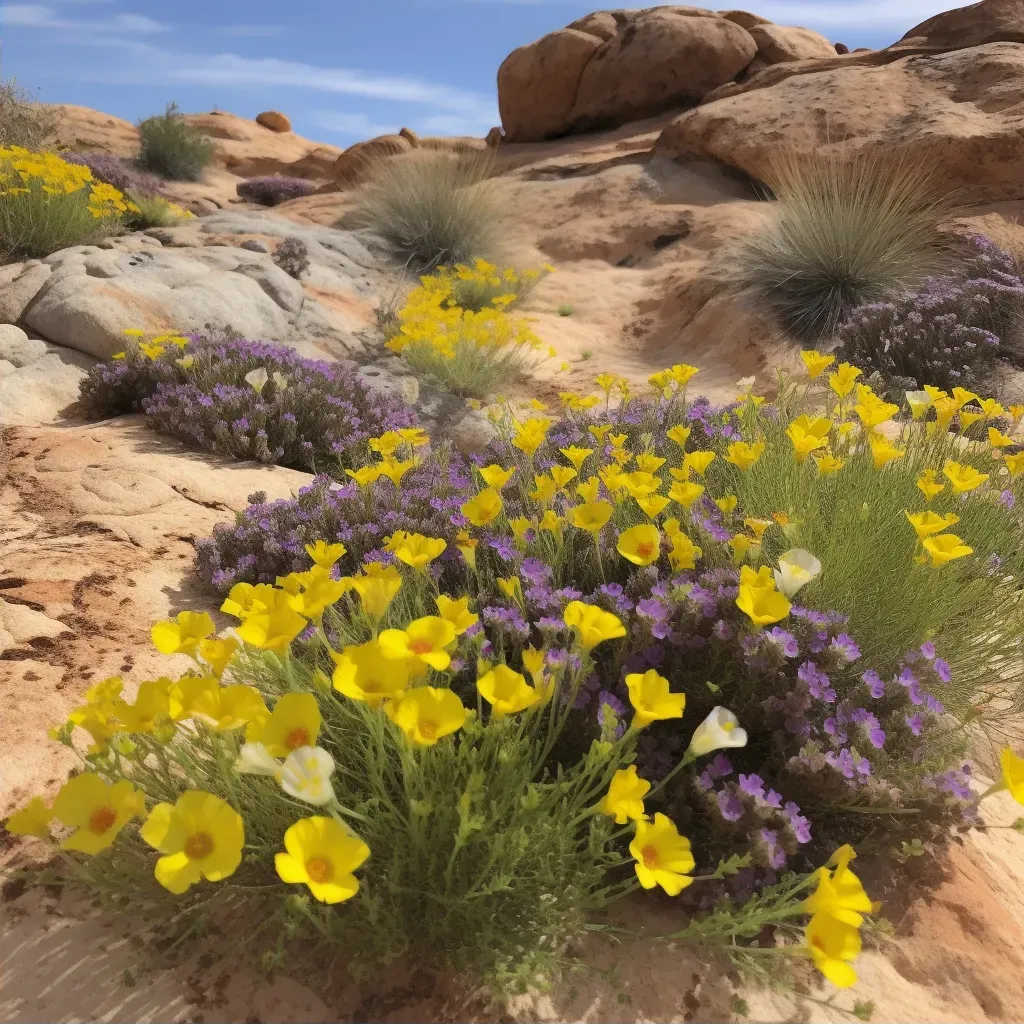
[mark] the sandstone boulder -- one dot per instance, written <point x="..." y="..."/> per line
<point x="19" y="282"/>
<point x="987" y="22"/>
<point x="961" y="112"/>
<point x="778" y="44"/>
<point x="744" y="18"/>
<point x="842" y="48"/>
<point x="537" y="84"/>
<point x="664" y="57"/>
<point x="274" y="120"/>
<point x="352" y="166"/>
<point x="495" y="137"/>
<point x="603" y="24"/>
<point x="410" y="136"/>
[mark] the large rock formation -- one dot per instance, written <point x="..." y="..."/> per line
<point x="611" y="67"/>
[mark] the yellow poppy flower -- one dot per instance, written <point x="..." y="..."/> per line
<point x="998" y="439"/>
<point x="652" y="699"/>
<point x="685" y="493"/>
<point x="816" y="363"/>
<point x="544" y="490"/>
<point x="496" y="476"/>
<point x="506" y="691"/>
<point x="663" y="857"/>
<point x="530" y="435"/>
<point x="963" y="478"/>
<point x="419" y="551"/>
<point x="757" y="527"/>
<point x="588" y="490"/>
<point x="640" y="545"/>
<point x="363" y="672"/>
<point x="321" y="854"/>
<point x="457" y="613"/>
<point x="1013" y="774"/>
<point x="1015" y="464"/>
<point x="679" y="434"/>
<point x="182" y="634"/>
<point x="962" y="396"/>
<point x="740" y="544"/>
<point x="727" y="504"/>
<point x="272" y="628"/>
<point x="808" y="434"/>
<point x="32" y="820"/>
<point x="592" y="516"/>
<point x="151" y="711"/>
<point x="843" y="380"/>
<point x="991" y="408"/>
<point x="832" y="945"/>
<point x="294" y="722"/>
<point x="928" y="485"/>
<point x="591" y="624"/>
<point x="424" y="641"/>
<point x="325" y="555"/>
<point x="653" y="505"/>
<point x="200" y="836"/>
<point x="219" y="708"/>
<point x="762" y="605"/>
<point x="96" y="810"/>
<point x="828" y="463"/>
<point x="744" y="455"/>
<point x="919" y="402"/>
<point x="365" y="476"/>
<point x="377" y="588"/>
<point x="427" y="714"/>
<point x="467" y="547"/>
<point x="648" y="463"/>
<point x="484" y="508"/>
<point x="562" y="476"/>
<point x="624" y="800"/>
<point x="244" y="598"/>
<point x="577" y="456"/>
<point x="698" y="461"/>
<point x="683" y="553"/>
<point x="883" y="451"/>
<point x="550" y="522"/>
<point x="927" y="523"/>
<point x="945" y="548"/>
<point x="839" y="893"/>
<point x="395" y="470"/>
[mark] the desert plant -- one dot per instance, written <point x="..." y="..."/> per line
<point x="292" y="256"/>
<point x="565" y="309"/>
<point x="273" y="189"/>
<point x="125" y="175"/>
<point x="245" y="399"/>
<point x="24" y="122"/>
<point x="844" y="231"/>
<point x="434" y="208"/>
<point x="948" y="332"/>
<point x="47" y="204"/>
<point x="170" y="147"/>
<point x="156" y="212"/>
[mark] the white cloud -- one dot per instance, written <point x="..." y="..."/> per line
<point x="42" y="17"/>
<point x="353" y="125"/>
<point x="249" y="31"/>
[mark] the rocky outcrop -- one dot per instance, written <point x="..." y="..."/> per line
<point x="777" y="44"/>
<point x="664" y="57"/>
<point x="537" y="84"/>
<point x="274" y="120"/>
<point x="988" y="22"/>
<point x="961" y="112"/>
<point x="352" y="166"/>
<point x="744" y="18"/>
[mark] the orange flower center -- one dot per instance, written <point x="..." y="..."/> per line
<point x="644" y="549"/>
<point x="198" y="846"/>
<point x="649" y="855"/>
<point x="297" y="738"/>
<point x="319" y="869"/>
<point x="420" y="646"/>
<point x="102" y="819"/>
<point x="428" y="729"/>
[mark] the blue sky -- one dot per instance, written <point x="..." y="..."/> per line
<point x="343" y="70"/>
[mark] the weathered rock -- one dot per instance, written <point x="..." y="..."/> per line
<point x="842" y="49"/>
<point x="990" y="21"/>
<point x="37" y="380"/>
<point x="352" y="166"/>
<point x="410" y="136"/>
<point x="253" y="246"/>
<point x="603" y="24"/>
<point x="744" y="18"/>
<point x="495" y="137"/>
<point x="274" y="120"/>
<point x="778" y="44"/>
<point x="961" y="112"/>
<point x="19" y="283"/>
<point x="664" y="58"/>
<point x="538" y="83"/>
<point x="757" y="65"/>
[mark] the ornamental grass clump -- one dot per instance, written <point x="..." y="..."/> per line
<point x="48" y="204"/>
<point x="273" y="189"/>
<point x="845" y="231"/>
<point x="949" y="332"/>
<point x="172" y="148"/>
<point x="246" y="400"/>
<point x="24" y="121"/>
<point x="467" y="349"/>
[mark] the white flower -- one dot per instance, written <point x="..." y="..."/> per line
<point x="796" y="569"/>
<point x="719" y="729"/>
<point x="255" y="759"/>
<point x="280" y="380"/>
<point x="257" y="379"/>
<point x="307" y="775"/>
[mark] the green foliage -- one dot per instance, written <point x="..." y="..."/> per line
<point x="566" y="310"/>
<point x="469" y="370"/>
<point x="173" y="149"/>
<point x="23" y="120"/>
<point x="156" y="212"/>
<point x="739" y="1006"/>
<point x="844" y="231"/>
<point x="864" y="1009"/>
<point x="434" y="208"/>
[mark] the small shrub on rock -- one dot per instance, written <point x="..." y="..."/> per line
<point x="48" y="204"/>
<point x="947" y="333"/>
<point x="125" y="175"/>
<point x="246" y="400"/>
<point x="172" y="148"/>
<point x="271" y="190"/>
<point x="292" y="256"/>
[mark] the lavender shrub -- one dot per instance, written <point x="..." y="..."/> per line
<point x="949" y="332"/>
<point x="271" y="190"/>
<point x="307" y="414"/>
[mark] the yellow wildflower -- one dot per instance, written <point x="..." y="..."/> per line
<point x="624" y="800"/>
<point x="663" y="857"/>
<point x="321" y="854"/>
<point x="427" y="714"/>
<point x="640" y="545"/>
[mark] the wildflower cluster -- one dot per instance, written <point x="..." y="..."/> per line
<point x="125" y="175"/>
<point x="455" y="328"/>
<point x="273" y="189"/>
<point x="246" y="399"/>
<point x="47" y="203"/>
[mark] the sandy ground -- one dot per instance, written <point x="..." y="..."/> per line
<point x="97" y="525"/>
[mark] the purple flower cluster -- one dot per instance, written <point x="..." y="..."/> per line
<point x="271" y="190"/>
<point x="310" y="415"/>
<point x="268" y="539"/>
<point x="948" y="332"/>
<point x="125" y="175"/>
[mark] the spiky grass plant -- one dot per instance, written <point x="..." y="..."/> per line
<point x="845" y="230"/>
<point x="23" y="120"/>
<point x="435" y="208"/>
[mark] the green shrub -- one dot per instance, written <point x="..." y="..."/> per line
<point x="24" y="122"/>
<point x="844" y="231"/>
<point x="173" y="149"/>
<point x="434" y="208"/>
<point x="156" y="212"/>
<point x="48" y="204"/>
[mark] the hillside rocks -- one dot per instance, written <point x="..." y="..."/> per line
<point x="612" y="67"/>
<point x="961" y="112"/>
<point x="987" y="22"/>
<point x="274" y="120"/>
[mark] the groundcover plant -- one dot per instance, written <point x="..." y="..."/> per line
<point x="629" y="657"/>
